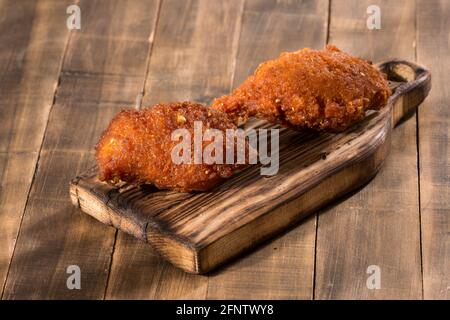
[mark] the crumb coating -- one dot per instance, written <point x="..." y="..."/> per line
<point x="327" y="90"/>
<point x="136" y="148"/>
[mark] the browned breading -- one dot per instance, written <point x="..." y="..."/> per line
<point x="137" y="146"/>
<point x="325" y="90"/>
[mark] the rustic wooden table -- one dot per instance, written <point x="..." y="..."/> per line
<point x="59" y="88"/>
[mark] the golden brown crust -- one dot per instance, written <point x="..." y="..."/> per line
<point x="136" y="148"/>
<point x="325" y="90"/>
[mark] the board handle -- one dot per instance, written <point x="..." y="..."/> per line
<point x="410" y="84"/>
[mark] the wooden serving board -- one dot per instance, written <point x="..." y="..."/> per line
<point x="199" y="231"/>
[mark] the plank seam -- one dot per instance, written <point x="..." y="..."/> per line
<point x="328" y="22"/>
<point x="36" y="165"/>
<point x="418" y="159"/>
<point x="238" y="34"/>
<point x="110" y="263"/>
<point x="316" y="215"/>
<point x="142" y="93"/>
<point x="235" y="51"/>
<point x="137" y="106"/>
<point x="95" y="74"/>
<point x="316" y="220"/>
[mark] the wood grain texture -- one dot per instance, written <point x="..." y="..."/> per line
<point x="195" y="51"/>
<point x="98" y="78"/>
<point x="433" y="48"/>
<point x="32" y="42"/>
<point x="380" y="224"/>
<point x="192" y="59"/>
<point x="199" y="231"/>
<point x="283" y="268"/>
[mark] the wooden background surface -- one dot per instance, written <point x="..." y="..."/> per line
<point x="60" y="88"/>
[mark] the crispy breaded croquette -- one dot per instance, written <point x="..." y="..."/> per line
<point x="136" y="148"/>
<point x="325" y="90"/>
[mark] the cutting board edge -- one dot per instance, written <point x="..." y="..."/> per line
<point x="202" y="258"/>
<point x="177" y="250"/>
<point x="338" y="185"/>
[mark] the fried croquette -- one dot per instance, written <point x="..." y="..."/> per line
<point x="137" y="148"/>
<point x="326" y="90"/>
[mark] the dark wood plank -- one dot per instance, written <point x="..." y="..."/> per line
<point x="16" y="174"/>
<point x="433" y="49"/>
<point x="195" y="51"/>
<point x="32" y="43"/>
<point x="269" y="28"/>
<point x="380" y="224"/>
<point x="104" y="69"/>
<point x="192" y="59"/>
